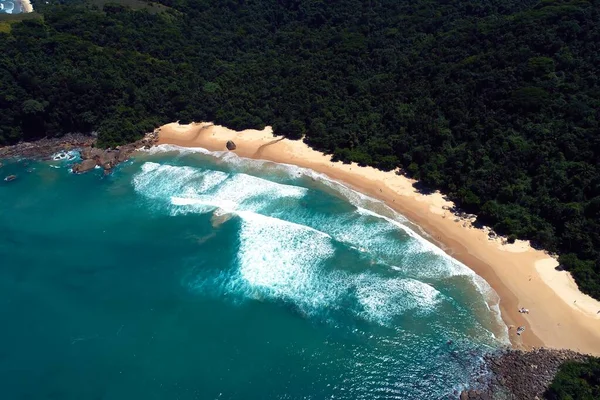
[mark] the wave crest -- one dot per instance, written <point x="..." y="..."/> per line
<point x="289" y="257"/>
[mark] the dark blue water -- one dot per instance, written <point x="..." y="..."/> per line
<point x="203" y="276"/>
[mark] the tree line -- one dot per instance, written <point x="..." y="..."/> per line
<point x="576" y="381"/>
<point x="496" y="103"/>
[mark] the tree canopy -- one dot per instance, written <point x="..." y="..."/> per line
<point x="576" y="381"/>
<point x="496" y="103"/>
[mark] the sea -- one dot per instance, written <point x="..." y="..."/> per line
<point x="188" y="274"/>
<point x="11" y="7"/>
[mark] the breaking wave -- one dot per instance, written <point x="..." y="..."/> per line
<point x="292" y="253"/>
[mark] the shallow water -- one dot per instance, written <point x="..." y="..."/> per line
<point x="10" y="7"/>
<point x="194" y="276"/>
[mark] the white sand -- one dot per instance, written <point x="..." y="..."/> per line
<point x="27" y="7"/>
<point x="565" y="287"/>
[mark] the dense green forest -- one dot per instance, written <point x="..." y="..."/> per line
<point x="576" y="381"/>
<point x="495" y="102"/>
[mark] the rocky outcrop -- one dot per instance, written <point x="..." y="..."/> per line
<point x="515" y="374"/>
<point x="475" y="394"/>
<point x="44" y="148"/>
<point x="230" y="145"/>
<point x="109" y="158"/>
<point x="84" y="166"/>
<point x="91" y="156"/>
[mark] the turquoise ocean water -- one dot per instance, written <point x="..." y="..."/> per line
<point x="195" y="275"/>
<point x="10" y="7"/>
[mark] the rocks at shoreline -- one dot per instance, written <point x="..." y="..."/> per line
<point x="230" y="145"/>
<point x="91" y="156"/>
<point x="516" y="374"/>
<point x="109" y="158"/>
<point x="84" y="166"/>
<point x="44" y="148"/>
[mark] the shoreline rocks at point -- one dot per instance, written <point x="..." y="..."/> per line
<point x="46" y="147"/>
<point x="91" y="156"/>
<point x="516" y="374"/>
<point x="84" y="166"/>
<point x="107" y="159"/>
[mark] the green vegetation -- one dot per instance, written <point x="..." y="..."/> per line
<point x="576" y="381"/>
<point x="151" y="7"/>
<point x="496" y="103"/>
<point x="6" y="20"/>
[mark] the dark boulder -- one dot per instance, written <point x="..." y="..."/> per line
<point x="123" y="155"/>
<point x="230" y="145"/>
<point x="84" y="166"/>
<point x="91" y="152"/>
<point x="108" y="157"/>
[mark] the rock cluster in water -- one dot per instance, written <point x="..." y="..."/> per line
<point x="44" y="148"/>
<point x="91" y="156"/>
<point x="516" y="374"/>
<point x="109" y="158"/>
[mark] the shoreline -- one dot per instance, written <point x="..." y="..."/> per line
<point x="26" y="5"/>
<point x="560" y="316"/>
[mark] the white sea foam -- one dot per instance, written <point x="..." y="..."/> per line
<point x="164" y="181"/>
<point x="282" y="259"/>
<point x="242" y="188"/>
<point x="185" y="186"/>
<point x="383" y="299"/>
<point x="65" y="155"/>
<point x="209" y="202"/>
<point x="291" y="171"/>
<point x="169" y="148"/>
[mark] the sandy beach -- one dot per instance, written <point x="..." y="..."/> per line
<point x="27" y="7"/>
<point x="560" y="316"/>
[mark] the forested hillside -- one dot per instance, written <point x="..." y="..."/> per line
<point x="496" y="103"/>
<point x="576" y="381"/>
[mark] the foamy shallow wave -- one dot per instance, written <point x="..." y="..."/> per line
<point x="383" y="299"/>
<point x="170" y="148"/>
<point x="289" y="261"/>
<point x="200" y="204"/>
<point x="291" y="171"/>
<point x="164" y="181"/>
<point x="281" y="259"/>
<point x="285" y="261"/>
<point x="65" y="155"/>
<point x="208" y="189"/>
